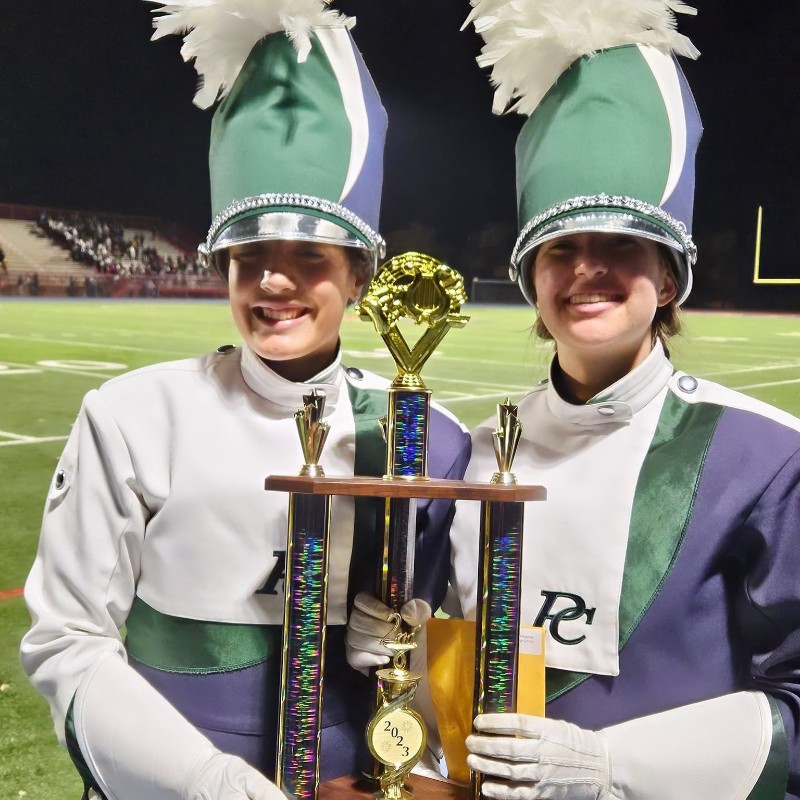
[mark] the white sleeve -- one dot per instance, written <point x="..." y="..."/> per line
<point x="715" y="749"/>
<point x="82" y="583"/>
<point x="137" y="746"/>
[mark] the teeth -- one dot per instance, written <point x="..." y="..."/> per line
<point x="589" y="298"/>
<point x="271" y="313"/>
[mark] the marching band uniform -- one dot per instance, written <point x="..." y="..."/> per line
<point x="157" y="519"/>
<point x="663" y="562"/>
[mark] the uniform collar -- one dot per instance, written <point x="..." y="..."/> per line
<point x="271" y="386"/>
<point x="620" y="401"/>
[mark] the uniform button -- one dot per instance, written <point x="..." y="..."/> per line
<point x="355" y="373"/>
<point x="61" y="476"/>
<point x="688" y="384"/>
<point x="226" y="348"/>
<point x="606" y="411"/>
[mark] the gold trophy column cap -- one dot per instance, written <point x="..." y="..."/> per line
<point x="313" y="432"/>
<point x="505" y="439"/>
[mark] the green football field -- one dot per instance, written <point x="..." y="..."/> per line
<point x="52" y="352"/>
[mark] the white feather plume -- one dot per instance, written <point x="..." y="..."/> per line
<point x="529" y="43"/>
<point x="219" y="34"/>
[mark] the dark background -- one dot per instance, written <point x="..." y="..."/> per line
<point x="93" y="116"/>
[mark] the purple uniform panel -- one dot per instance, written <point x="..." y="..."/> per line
<point x="449" y="449"/>
<point x="727" y="616"/>
<point x="363" y="198"/>
<point x="681" y="202"/>
<point x="238" y="710"/>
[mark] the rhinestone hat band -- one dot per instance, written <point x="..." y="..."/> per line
<point x="266" y="201"/>
<point x="610" y="202"/>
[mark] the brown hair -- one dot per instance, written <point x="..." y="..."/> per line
<point x="362" y="265"/>
<point x="666" y="322"/>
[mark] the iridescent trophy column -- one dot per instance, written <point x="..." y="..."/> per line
<point x="499" y="586"/>
<point x="297" y="770"/>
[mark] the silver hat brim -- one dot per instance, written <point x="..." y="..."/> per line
<point x="604" y="222"/>
<point x="285" y="225"/>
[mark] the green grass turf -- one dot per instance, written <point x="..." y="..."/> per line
<point x="472" y="370"/>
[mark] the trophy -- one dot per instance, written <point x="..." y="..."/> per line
<point x="421" y="289"/>
<point x="499" y="586"/>
<point x="303" y="654"/>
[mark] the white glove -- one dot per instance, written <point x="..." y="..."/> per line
<point x="369" y="624"/>
<point x="138" y="747"/>
<point x="551" y="759"/>
<point x="226" y="777"/>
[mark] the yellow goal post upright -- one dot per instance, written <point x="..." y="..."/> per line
<point x="757" y="259"/>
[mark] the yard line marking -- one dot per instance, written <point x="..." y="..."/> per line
<point x="59" y="370"/>
<point x="34" y="440"/>
<point x="465" y="398"/>
<point x="765" y="385"/>
<point x="9" y="593"/>
<point x="104" y="345"/>
<point x="510" y="387"/>
<point x="762" y="368"/>
<point x="9" y="435"/>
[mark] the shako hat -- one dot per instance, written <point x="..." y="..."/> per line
<point x="612" y="129"/>
<point x="297" y="140"/>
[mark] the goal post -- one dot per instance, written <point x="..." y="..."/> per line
<point x="495" y="291"/>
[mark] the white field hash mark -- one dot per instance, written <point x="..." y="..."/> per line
<point x="17" y="439"/>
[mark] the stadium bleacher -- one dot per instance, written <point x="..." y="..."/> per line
<point x="56" y="252"/>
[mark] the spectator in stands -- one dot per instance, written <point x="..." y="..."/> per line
<point x="157" y="519"/>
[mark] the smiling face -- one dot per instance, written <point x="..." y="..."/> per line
<point x="597" y="294"/>
<point x="288" y="299"/>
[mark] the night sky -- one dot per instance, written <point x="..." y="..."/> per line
<point x="94" y="116"/>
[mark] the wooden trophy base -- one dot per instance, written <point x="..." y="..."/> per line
<point x="349" y="788"/>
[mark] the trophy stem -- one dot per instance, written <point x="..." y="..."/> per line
<point x="407" y="433"/>
<point x="498" y="612"/>
<point x="406" y="457"/>
<point x="303" y="655"/>
<point x="396" y="734"/>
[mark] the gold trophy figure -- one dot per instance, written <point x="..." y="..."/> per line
<point x="396" y="734"/>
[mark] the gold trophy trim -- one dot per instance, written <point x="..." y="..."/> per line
<point x="396" y="734"/>
<point x="421" y="288"/>
<point x="313" y="432"/>
<point x="505" y="439"/>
